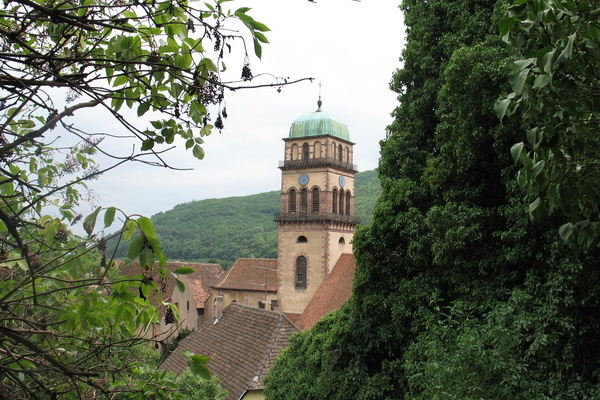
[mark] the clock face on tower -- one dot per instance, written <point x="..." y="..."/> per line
<point x="303" y="179"/>
<point x="342" y="181"/>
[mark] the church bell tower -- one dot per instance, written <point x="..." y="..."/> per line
<point x="316" y="220"/>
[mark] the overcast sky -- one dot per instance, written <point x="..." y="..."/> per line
<point x="351" y="47"/>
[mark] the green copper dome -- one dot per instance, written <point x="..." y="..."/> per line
<point x="319" y="123"/>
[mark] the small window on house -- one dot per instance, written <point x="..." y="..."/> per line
<point x="342" y="241"/>
<point x="301" y="272"/>
<point x="304" y="201"/>
<point x="302" y="239"/>
<point x="292" y="201"/>
<point x="188" y="305"/>
<point x="261" y="304"/>
<point x="315" y="200"/>
<point x="335" y="200"/>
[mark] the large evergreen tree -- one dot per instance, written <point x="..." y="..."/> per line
<point x="457" y="295"/>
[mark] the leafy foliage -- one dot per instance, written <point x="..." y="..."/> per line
<point x="458" y="295"/>
<point x="67" y="319"/>
<point x="556" y="84"/>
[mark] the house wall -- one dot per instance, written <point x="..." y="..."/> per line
<point x="253" y="395"/>
<point x="221" y="298"/>
<point x="187" y="312"/>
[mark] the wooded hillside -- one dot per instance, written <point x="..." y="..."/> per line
<point x="222" y="230"/>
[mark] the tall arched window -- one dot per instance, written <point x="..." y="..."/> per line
<point x="342" y="201"/>
<point x="335" y="200"/>
<point x="304" y="201"/>
<point x="348" y="202"/>
<point x="315" y="200"/>
<point x="294" y="152"/>
<point x="305" y="152"/>
<point x="301" y="272"/>
<point x="292" y="201"/>
<point x="317" y="150"/>
<point x="339" y="153"/>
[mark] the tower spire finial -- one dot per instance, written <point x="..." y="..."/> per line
<point x="319" y="103"/>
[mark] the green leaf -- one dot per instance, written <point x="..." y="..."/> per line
<point x="209" y="64"/>
<point x="567" y="51"/>
<point x="198" y="369"/>
<point x="180" y="285"/>
<point x="157" y="124"/>
<point x="505" y="25"/>
<point x="109" y="216"/>
<point x="135" y="248"/>
<point x="262" y="38"/>
<point x="198" y="152"/>
<point x="516" y="151"/>
<point x="537" y="168"/>
<point x="200" y="359"/>
<point x="143" y="108"/>
<point x="500" y="108"/>
<point x="148" y="144"/>
<point x="146" y="226"/>
<point x="534" y="137"/>
<point x="547" y="62"/>
<point x="184" y="271"/>
<point x="534" y="208"/>
<point x="517" y="81"/>
<point x="541" y="81"/>
<point x="90" y="221"/>
<point x="121" y="80"/>
<point x="257" y="48"/>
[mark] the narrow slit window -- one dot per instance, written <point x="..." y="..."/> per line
<point x="348" y="202"/>
<point x="315" y="200"/>
<point x="301" y="272"/>
<point x="335" y="200"/>
<point x="292" y="201"/>
<point x="304" y="200"/>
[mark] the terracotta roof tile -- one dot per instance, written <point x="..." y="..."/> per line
<point x="199" y="282"/>
<point x="242" y="344"/>
<point x="332" y="293"/>
<point x="250" y="274"/>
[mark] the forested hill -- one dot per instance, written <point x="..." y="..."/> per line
<point x="222" y="230"/>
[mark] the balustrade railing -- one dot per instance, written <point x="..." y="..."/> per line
<point x="320" y="216"/>
<point x="318" y="161"/>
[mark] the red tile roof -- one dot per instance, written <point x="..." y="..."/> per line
<point x="206" y="275"/>
<point x="242" y="344"/>
<point x="251" y="274"/>
<point x="332" y="293"/>
<point x="199" y="282"/>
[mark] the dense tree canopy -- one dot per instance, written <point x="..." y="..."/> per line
<point x="556" y="93"/>
<point x="458" y="295"/>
